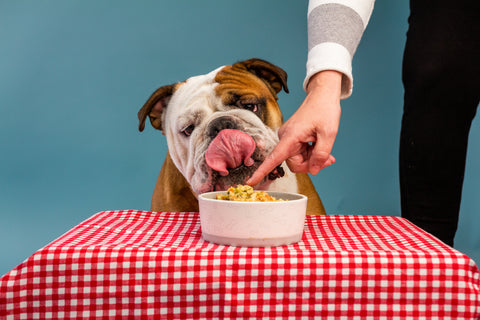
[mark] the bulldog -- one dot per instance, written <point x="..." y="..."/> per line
<point x="219" y="128"/>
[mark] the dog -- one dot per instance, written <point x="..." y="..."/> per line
<point x="219" y="128"/>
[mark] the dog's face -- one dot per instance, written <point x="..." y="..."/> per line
<point x="220" y="126"/>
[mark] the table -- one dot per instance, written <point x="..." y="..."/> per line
<point x="143" y="265"/>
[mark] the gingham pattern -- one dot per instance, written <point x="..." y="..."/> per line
<point x="134" y="264"/>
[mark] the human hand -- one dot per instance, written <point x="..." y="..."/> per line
<point x="307" y="138"/>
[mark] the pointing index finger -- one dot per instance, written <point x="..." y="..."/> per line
<point x="276" y="157"/>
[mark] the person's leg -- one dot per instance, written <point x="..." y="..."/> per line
<point x="441" y="72"/>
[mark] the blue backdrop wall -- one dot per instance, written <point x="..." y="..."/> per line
<point x="73" y="75"/>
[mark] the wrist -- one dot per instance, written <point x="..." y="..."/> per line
<point x="327" y="81"/>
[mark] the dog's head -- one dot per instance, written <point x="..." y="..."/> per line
<point x="220" y="126"/>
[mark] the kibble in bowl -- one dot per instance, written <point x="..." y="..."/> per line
<point x="246" y="223"/>
<point x="245" y="193"/>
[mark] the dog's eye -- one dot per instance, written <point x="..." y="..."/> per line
<point x="251" y="106"/>
<point x="188" y="130"/>
<point x="249" y="103"/>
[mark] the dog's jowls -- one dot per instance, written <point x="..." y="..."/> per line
<point x="219" y="128"/>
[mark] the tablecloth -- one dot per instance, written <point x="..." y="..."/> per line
<point x="150" y="265"/>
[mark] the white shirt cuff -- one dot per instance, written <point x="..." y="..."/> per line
<point x="331" y="56"/>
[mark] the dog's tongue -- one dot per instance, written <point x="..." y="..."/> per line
<point x="229" y="149"/>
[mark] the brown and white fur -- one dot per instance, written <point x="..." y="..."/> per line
<point x="241" y="97"/>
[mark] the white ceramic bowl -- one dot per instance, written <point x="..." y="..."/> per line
<point x="253" y="224"/>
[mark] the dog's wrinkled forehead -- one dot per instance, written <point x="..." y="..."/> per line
<point x="193" y="100"/>
<point x="251" y="85"/>
<point x="196" y="90"/>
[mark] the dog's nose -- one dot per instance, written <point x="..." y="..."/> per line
<point x="219" y="124"/>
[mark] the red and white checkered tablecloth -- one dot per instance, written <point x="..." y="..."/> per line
<point x="148" y="265"/>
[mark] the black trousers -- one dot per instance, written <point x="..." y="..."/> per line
<point x="441" y="77"/>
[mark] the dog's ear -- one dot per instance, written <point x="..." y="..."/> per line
<point x="155" y="106"/>
<point x="274" y="75"/>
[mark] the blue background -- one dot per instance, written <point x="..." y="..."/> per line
<point x="73" y="75"/>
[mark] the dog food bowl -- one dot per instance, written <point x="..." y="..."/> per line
<point x="253" y="224"/>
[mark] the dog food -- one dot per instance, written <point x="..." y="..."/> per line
<point x="245" y="193"/>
